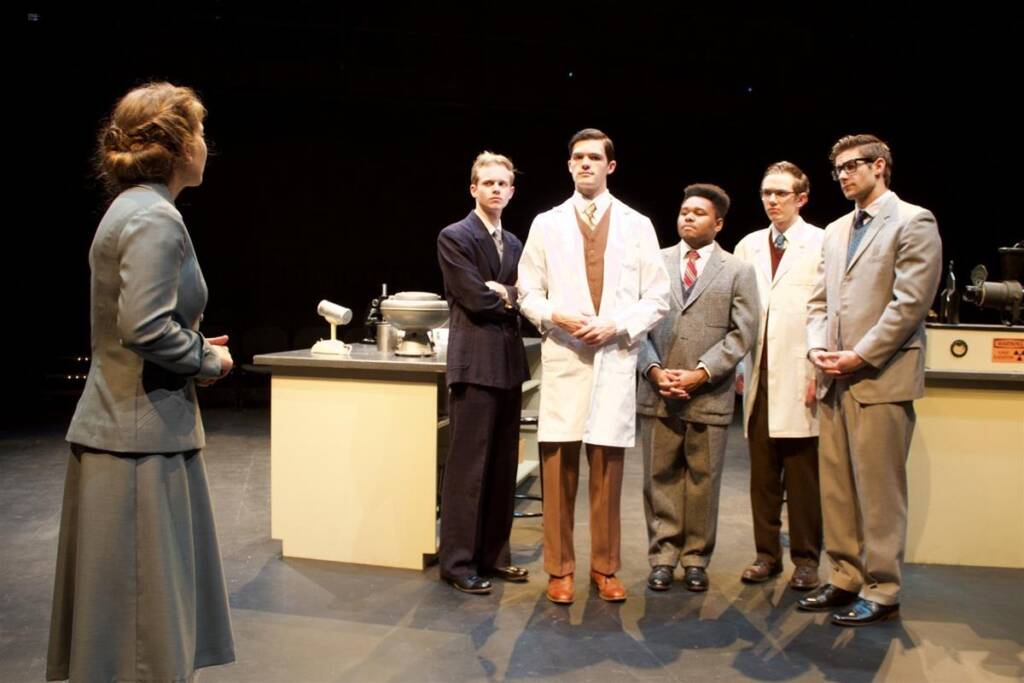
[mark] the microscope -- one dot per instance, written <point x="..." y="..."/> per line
<point x="1006" y="295"/>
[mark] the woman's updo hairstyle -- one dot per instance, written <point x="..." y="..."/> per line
<point x="149" y="131"/>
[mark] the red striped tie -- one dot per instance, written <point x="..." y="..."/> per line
<point x="690" y="276"/>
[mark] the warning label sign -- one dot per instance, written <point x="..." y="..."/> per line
<point x="1007" y="350"/>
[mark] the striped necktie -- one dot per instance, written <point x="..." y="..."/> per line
<point x="690" y="276"/>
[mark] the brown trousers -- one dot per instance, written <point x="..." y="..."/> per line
<point x="783" y="467"/>
<point x="560" y="464"/>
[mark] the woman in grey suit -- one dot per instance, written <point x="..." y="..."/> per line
<point x="139" y="591"/>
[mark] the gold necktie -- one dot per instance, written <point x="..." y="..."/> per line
<point x="590" y="212"/>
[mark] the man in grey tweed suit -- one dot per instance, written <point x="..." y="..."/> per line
<point x="686" y="403"/>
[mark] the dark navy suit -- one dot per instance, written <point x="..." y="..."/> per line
<point x="485" y="371"/>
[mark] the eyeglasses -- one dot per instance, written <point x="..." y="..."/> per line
<point x="780" y="195"/>
<point x="849" y="166"/>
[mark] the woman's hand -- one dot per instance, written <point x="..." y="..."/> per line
<point x="220" y="347"/>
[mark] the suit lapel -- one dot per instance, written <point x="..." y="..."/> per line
<point x="612" y="266"/>
<point x="793" y="250"/>
<point x="674" y="276"/>
<point x="486" y="244"/>
<point x="707" y="275"/>
<point x="763" y="255"/>
<point x="509" y="259"/>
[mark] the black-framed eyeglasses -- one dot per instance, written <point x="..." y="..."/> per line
<point x="780" y="195"/>
<point x="850" y="166"/>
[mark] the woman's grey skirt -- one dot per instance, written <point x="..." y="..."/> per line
<point x="139" y="593"/>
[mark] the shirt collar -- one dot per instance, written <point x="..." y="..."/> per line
<point x="704" y="252"/>
<point x="487" y="223"/>
<point x="874" y="207"/>
<point x="789" y="230"/>
<point x="602" y="201"/>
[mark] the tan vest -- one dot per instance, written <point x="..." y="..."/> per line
<point x="594" y="242"/>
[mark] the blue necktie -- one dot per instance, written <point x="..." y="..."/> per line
<point x="780" y="242"/>
<point x="860" y="220"/>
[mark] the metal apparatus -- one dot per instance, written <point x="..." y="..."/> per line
<point x="416" y="313"/>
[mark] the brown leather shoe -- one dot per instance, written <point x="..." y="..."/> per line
<point x="560" y="589"/>
<point x="760" y="571"/>
<point x="804" y="578"/>
<point x="609" y="587"/>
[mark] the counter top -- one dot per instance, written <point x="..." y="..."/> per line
<point x="362" y="357"/>
<point x="974" y="377"/>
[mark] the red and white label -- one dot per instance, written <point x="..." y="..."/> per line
<point x="1007" y="350"/>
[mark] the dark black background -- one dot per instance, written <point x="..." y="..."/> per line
<point x="341" y="139"/>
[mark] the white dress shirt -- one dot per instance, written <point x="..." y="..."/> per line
<point x="704" y="253"/>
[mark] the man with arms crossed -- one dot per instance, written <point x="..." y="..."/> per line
<point x="486" y="367"/>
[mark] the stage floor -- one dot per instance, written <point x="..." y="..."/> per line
<point x="299" y="620"/>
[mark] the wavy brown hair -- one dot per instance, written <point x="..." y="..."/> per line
<point x="147" y="134"/>
<point x="870" y="147"/>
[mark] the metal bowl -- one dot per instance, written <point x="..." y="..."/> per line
<point x="416" y="313"/>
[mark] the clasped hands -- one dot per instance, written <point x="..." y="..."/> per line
<point x="591" y="330"/>
<point x="677" y="383"/>
<point x="836" y="363"/>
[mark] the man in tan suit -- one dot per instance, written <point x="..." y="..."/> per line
<point x="879" y="272"/>
<point x="779" y="409"/>
<point x="689" y="361"/>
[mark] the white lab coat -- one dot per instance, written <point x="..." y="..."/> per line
<point x="784" y="304"/>
<point x="586" y="394"/>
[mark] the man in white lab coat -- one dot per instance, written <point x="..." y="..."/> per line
<point x="593" y="282"/>
<point x="780" y="416"/>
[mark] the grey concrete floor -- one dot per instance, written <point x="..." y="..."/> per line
<point x="299" y="620"/>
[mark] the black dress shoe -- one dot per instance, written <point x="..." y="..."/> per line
<point x="470" y="584"/>
<point x="695" y="579"/>
<point x="864" y="612"/>
<point x="826" y="598"/>
<point x="660" y="578"/>
<point x="509" y="573"/>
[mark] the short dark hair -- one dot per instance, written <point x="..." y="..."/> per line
<point x="870" y="147"/>
<point x="713" y="193"/>
<point x="593" y="134"/>
<point x="800" y="182"/>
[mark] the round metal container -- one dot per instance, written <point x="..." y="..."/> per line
<point x="416" y="313"/>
